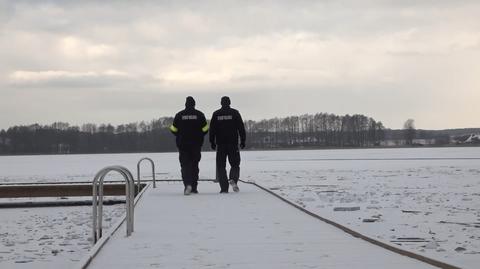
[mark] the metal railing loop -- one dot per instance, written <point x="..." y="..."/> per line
<point x="97" y="199"/>
<point x="138" y="172"/>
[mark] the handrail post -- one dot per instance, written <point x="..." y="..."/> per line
<point x="138" y="172"/>
<point x="97" y="199"/>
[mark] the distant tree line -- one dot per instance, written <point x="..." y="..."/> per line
<point x="61" y="138"/>
<point x="319" y="130"/>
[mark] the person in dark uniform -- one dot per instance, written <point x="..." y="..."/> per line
<point x="226" y="127"/>
<point x="189" y="126"/>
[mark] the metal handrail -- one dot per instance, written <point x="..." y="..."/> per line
<point x="138" y="172"/>
<point x="97" y="199"/>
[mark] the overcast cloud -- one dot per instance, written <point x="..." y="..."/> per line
<point x="123" y="61"/>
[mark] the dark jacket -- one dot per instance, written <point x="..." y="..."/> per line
<point x="226" y="126"/>
<point x="189" y="126"/>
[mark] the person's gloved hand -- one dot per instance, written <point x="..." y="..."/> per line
<point x="213" y="146"/>
<point x="242" y="145"/>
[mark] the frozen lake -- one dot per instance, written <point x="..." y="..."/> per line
<point x="425" y="200"/>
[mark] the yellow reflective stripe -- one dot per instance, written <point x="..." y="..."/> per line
<point x="205" y="128"/>
<point x="173" y="128"/>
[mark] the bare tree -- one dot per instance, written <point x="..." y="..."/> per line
<point x="409" y="131"/>
<point x="89" y="128"/>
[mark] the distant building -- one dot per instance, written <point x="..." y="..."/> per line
<point x="424" y="142"/>
<point x="415" y="142"/>
<point x="468" y="139"/>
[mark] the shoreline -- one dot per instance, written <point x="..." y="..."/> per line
<point x="256" y="149"/>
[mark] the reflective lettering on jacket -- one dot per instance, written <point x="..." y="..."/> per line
<point x="226" y="117"/>
<point x="189" y="117"/>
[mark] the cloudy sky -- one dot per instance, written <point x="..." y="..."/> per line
<point x="124" y="61"/>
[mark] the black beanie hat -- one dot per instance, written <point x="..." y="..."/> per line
<point x="190" y="102"/>
<point x="225" y="101"/>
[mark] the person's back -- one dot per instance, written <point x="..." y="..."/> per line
<point x="189" y="126"/>
<point x="226" y="126"/>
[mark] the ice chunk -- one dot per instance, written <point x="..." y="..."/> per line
<point x="346" y="208"/>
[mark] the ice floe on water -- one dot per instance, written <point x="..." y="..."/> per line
<point x="50" y="237"/>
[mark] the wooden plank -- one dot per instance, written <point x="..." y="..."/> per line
<point x="67" y="190"/>
<point x="57" y="203"/>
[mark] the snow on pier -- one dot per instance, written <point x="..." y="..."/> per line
<point x="249" y="229"/>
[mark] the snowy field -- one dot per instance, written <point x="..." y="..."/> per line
<point x="424" y="200"/>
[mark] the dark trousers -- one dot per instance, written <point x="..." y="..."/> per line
<point x="189" y="159"/>
<point x="231" y="152"/>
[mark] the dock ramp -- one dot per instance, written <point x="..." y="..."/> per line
<point x="249" y="229"/>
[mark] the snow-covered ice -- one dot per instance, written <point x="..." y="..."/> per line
<point x="425" y="199"/>
<point x="48" y="237"/>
